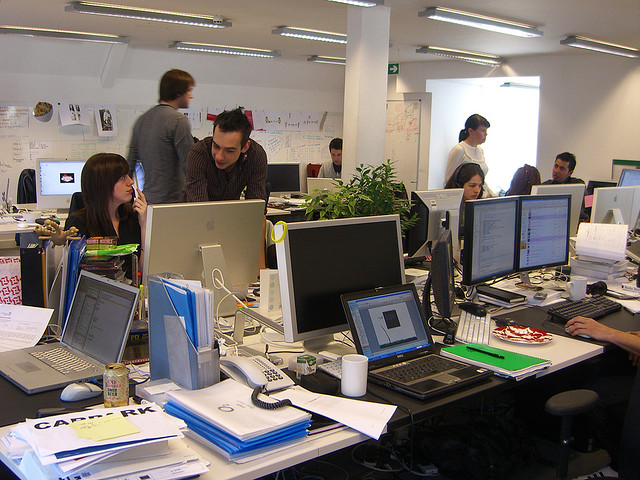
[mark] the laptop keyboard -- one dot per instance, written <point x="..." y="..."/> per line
<point x="63" y="360"/>
<point x="418" y="368"/>
<point x="473" y="329"/>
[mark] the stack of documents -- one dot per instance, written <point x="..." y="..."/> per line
<point x="103" y="444"/>
<point x="599" y="268"/>
<point x="222" y="417"/>
<point x="503" y="362"/>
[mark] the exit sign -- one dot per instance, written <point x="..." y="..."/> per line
<point x="394" y="68"/>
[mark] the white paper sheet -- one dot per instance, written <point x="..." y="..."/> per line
<point x="22" y="326"/>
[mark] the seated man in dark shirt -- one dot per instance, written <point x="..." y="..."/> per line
<point x="220" y="167"/>
<point x="563" y="168"/>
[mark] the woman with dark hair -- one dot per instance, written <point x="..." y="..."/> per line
<point x="468" y="149"/>
<point x="522" y="181"/>
<point x="107" y="191"/>
<point x="470" y="177"/>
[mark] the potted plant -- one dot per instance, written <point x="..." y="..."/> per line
<point x="371" y="191"/>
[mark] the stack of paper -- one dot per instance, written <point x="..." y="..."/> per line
<point x="102" y="444"/>
<point x="223" y="417"/>
<point x="599" y="268"/>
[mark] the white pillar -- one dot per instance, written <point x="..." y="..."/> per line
<point x="365" y="92"/>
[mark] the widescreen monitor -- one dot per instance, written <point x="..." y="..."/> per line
<point x="176" y="232"/>
<point x="320" y="260"/>
<point x="437" y="210"/>
<point x="490" y="239"/>
<point x="56" y="180"/>
<point x="284" y="178"/>
<point x="630" y="177"/>
<point x="616" y="205"/>
<point x="576" y="190"/>
<point x="544" y="231"/>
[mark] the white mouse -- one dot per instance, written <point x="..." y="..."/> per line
<point x="79" y="391"/>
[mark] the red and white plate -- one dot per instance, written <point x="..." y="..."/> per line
<point x="519" y="334"/>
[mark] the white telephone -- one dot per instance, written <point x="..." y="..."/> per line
<point x="255" y="372"/>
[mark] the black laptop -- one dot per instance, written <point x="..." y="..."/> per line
<point x="389" y="327"/>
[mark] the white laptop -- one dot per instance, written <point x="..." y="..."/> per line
<point x="323" y="185"/>
<point x="95" y="334"/>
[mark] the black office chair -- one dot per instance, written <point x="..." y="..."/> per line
<point x="570" y="403"/>
<point x="76" y="203"/>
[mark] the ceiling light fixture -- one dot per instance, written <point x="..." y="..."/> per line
<point x="62" y="34"/>
<point x="361" y="3"/>
<point x="520" y="85"/>
<point x="598" y="46"/>
<point x="124" y="11"/>
<point x="487" y="59"/>
<point x="310" y="34"/>
<point x="481" y="21"/>
<point x="224" y="49"/>
<point x="331" y="60"/>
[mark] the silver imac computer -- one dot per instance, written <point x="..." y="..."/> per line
<point x="318" y="186"/>
<point x="437" y="211"/>
<point x="319" y="261"/>
<point x="576" y="190"/>
<point x="178" y="234"/>
<point x="616" y="205"/>
<point x="56" y="180"/>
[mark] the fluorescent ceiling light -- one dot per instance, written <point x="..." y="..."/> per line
<point x="310" y="34"/>
<point x="360" y="3"/>
<point x="63" y="34"/>
<point x="481" y="21"/>
<point x="125" y="11"/>
<point x="598" y="46"/>
<point x="465" y="55"/>
<point x="332" y="60"/>
<point x="224" y="49"/>
<point x="519" y="85"/>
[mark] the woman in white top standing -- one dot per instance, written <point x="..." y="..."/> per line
<point x="468" y="149"/>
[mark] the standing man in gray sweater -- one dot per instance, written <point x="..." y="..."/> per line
<point x="161" y="140"/>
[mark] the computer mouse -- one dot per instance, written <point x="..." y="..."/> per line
<point x="583" y="335"/>
<point x="79" y="391"/>
<point x="473" y="308"/>
<point x="505" y="322"/>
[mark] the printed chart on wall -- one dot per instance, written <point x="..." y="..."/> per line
<point x="402" y="139"/>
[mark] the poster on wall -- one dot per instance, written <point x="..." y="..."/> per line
<point x="74" y="114"/>
<point x="194" y="114"/>
<point x="278" y="121"/>
<point x="106" y="120"/>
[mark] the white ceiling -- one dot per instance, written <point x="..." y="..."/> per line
<point x="615" y="21"/>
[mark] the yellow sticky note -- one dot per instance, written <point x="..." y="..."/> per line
<point x="104" y="428"/>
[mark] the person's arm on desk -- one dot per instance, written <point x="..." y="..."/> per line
<point x="629" y="341"/>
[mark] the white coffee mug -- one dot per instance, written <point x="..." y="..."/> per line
<point x="354" y="375"/>
<point x="577" y="287"/>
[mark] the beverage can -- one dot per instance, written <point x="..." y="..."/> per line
<point x="115" y="384"/>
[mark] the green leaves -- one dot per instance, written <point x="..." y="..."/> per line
<point x="371" y="191"/>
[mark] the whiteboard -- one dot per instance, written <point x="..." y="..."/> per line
<point x="26" y="139"/>
<point x="402" y="139"/>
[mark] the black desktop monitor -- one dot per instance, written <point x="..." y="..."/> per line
<point x="444" y="293"/>
<point x="284" y="177"/>
<point x="630" y="177"/>
<point x="490" y="239"/>
<point x="544" y="231"/>
<point x="321" y="260"/>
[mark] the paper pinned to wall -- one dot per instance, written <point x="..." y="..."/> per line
<point x="106" y="120"/>
<point x="74" y="114"/>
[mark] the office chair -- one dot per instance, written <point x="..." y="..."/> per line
<point x="567" y="404"/>
<point x="76" y="203"/>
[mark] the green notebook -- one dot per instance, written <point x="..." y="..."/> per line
<point x="502" y="362"/>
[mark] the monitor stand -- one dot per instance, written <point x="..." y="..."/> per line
<point x="327" y="343"/>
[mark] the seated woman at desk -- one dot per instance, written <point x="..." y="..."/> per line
<point x="470" y="177"/>
<point x="107" y="191"/>
<point x="522" y="181"/>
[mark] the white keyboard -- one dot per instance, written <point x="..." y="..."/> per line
<point x="472" y="329"/>
<point x="333" y="368"/>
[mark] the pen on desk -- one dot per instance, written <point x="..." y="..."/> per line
<point x="495" y="355"/>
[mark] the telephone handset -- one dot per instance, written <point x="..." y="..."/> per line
<point x="255" y="372"/>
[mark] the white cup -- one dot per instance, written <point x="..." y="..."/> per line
<point x="354" y="375"/>
<point x="577" y="287"/>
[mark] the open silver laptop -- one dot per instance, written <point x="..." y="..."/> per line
<point x="95" y="334"/>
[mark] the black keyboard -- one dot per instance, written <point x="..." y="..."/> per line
<point x="418" y="368"/>
<point x="594" y="307"/>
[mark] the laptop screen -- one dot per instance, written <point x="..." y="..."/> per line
<point x="100" y="317"/>
<point x="388" y="324"/>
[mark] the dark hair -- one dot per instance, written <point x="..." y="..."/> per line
<point x="522" y="181"/>
<point x="335" y="144"/>
<point x="568" y="157"/>
<point x="175" y="83"/>
<point x="99" y="175"/>
<point x="473" y="122"/>
<point x="463" y="174"/>
<point x="234" y="121"/>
